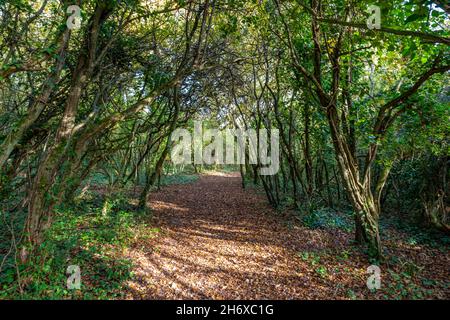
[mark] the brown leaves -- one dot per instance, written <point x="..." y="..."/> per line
<point x="218" y="242"/>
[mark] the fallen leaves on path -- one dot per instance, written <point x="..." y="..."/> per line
<point x="219" y="241"/>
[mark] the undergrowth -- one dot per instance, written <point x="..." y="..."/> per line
<point x="93" y="232"/>
<point x="85" y="235"/>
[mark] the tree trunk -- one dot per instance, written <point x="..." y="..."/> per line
<point x="38" y="105"/>
<point x="152" y="179"/>
<point x="44" y="191"/>
<point x="360" y="194"/>
<point x="307" y="151"/>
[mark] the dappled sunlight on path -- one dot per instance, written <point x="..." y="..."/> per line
<point x="219" y="241"/>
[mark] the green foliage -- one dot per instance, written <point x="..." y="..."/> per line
<point x="322" y="271"/>
<point x="351" y="294"/>
<point x="237" y="62"/>
<point x="310" y="256"/>
<point x="87" y="236"/>
<point x="416" y="234"/>
<point x="327" y="218"/>
<point x="403" y="288"/>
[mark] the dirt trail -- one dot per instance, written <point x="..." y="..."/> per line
<point x="219" y="241"/>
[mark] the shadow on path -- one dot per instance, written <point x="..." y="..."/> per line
<point x="219" y="241"/>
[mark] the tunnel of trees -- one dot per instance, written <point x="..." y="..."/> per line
<point x="362" y="111"/>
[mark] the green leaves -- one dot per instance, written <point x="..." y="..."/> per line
<point x="414" y="17"/>
<point x="21" y="5"/>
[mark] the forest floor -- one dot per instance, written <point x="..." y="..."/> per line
<point x="218" y="241"/>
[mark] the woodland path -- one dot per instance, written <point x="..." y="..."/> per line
<point x="218" y="241"/>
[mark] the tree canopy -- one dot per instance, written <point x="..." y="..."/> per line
<point x="363" y="112"/>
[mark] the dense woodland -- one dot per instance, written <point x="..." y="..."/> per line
<point x="86" y="117"/>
